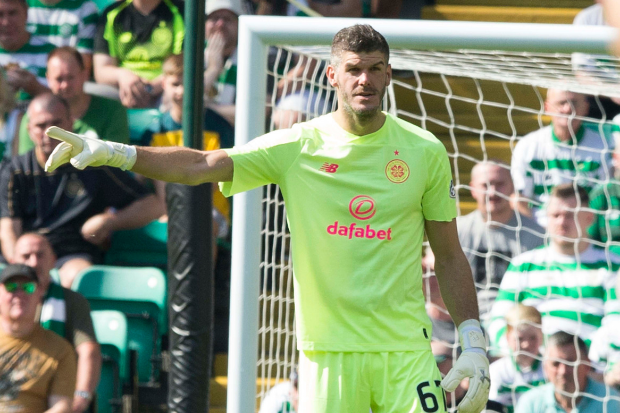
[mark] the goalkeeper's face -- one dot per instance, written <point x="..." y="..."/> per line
<point x="361" y="80"/>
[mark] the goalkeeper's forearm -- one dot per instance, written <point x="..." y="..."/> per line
<point x="183" y="165"/>
<point x="457" y="288"/>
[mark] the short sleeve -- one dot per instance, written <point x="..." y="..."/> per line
<point x="79" y="324"/>
<point x="262" y="161"/>
<point x="63" y="383"/>
<point x="439" y="199"/>
<point x="118" y="129"/>
<point x="100" y="44"/>
<point x="87" y="27"/>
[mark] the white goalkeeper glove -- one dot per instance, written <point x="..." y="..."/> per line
<point x="472" y="363"/>
<point x="83" y="151"/>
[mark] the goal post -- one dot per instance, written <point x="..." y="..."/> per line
<point x="257" y="34"/>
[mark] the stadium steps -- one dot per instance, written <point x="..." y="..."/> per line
<point x="500" y="14"/>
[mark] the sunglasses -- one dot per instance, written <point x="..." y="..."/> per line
<point x="28" y="287"/>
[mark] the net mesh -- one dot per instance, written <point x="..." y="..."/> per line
<point x="477" y="103"/>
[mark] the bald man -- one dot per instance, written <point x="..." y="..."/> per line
<point x="563" y="152"/>
<point x="493" y="233"/>
<point x="76" y="210"/>
<point x="64" y="312"/>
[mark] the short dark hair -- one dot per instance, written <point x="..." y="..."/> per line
<point x="67" y="51"/>
<point x="360" y="38"/>
<point x="22" y="2"/>
<point x="562" y="338"/>
<point x="49" y="100"/>
<point x="569" y="190"/>
<point x="173" y="65"/>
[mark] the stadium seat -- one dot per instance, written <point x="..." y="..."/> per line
<point x="140" y="121"/>
<point x="111" y="331"/>
<point x="102" y="4"/>
<point x="146" y="246"/>
<point x="139" y="293"/>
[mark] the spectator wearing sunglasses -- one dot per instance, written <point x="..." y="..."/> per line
<point x="37" y="366"/>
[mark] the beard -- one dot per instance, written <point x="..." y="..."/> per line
<point x="364" y="113"/>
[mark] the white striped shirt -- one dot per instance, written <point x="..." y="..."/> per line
<point x="571" y="292"/>
<point x="68" y="23"/>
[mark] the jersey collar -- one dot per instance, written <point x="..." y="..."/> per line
<point x="578" y="135"/>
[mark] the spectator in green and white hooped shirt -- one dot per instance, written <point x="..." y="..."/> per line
<point x="22" y="55"/>
<point x="66" y="75"/>
<point x="65" y="23"/>
<point x="564" y="151"/>
<point x="522" y="370"/>
<point x="569" y="281"/>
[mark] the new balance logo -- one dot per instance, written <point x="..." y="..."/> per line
<point x="329" y="167"/>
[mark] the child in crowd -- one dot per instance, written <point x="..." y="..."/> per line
<point x="512" y="375"/>
<point x="168" y="131"/>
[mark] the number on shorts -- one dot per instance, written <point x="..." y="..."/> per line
<point x="428" y="400"/>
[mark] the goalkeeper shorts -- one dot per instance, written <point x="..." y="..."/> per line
<point x="386" y="382"/>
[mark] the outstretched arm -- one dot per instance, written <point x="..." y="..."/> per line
<point x="170" y="164"/>
<point x="183" y="165"/>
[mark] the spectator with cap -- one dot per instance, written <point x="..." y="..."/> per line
<point x="65" y="312"/>
<point x="133" y="39"/>
<point x="92" y="114"/>
<point x="37" y="366"/>
<point x="220" y="76"/>
<point x="22" y="55"/>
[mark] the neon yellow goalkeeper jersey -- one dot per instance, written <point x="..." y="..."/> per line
<point x="356" y="207"/>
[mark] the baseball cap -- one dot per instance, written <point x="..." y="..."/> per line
<point x="232" y="5"/>
<point x="18" y="270"/>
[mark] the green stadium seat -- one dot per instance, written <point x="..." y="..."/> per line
<point x="146" y="246"/>
<point x="140" y="120"/>
<point x="102" y="4"/>
<point x="139" y="293"/>
<point x="111" y="331"/>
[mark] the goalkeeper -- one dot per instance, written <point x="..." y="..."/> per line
<point x="360" y="187"/>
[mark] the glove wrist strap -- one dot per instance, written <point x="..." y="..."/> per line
<point x="121" y="156"/>
<point x="471" y="336"/>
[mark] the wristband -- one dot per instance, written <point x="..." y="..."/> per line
<point x="120" y="155"/>
<point x="471" y="336"/>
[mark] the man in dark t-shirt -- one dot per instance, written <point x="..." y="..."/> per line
<point x="76" y="210"/>
<point x="133" y="39"/>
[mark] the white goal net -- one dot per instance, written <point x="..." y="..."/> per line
<point x="479" y="103"/>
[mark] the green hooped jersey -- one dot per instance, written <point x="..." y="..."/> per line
<point x="356" y="207"/>
<point x="573" y="294"/>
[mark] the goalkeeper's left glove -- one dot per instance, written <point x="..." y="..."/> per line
<point x="472" y="363"/>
